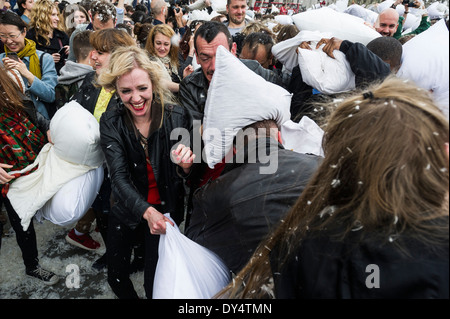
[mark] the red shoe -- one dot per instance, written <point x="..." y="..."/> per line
<point x="84" y="241"/>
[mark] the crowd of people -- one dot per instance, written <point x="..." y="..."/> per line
<point x="377" y="193"/>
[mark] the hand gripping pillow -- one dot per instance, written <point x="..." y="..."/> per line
<point x="341" y="25"/>
<point x="76" y="135"/>
<point x="325" y="74"/>
<point x="229" y="106"/>
<point x="286" y="51"/>
<point x="187" y="270"/>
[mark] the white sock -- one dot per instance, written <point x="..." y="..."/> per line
<point x="78" y="233"/>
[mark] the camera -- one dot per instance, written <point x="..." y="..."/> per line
<point x="176" y="4"/>
<point x="409" y="3"/>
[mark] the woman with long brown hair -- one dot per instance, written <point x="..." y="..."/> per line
<point x="373" y="221"/>
<point x="23" y="133"/>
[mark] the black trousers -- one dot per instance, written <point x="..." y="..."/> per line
<point x="121" y="241"/>
<point x="25" y="239"/>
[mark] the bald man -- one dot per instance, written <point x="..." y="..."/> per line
<point x="387" y="22"/>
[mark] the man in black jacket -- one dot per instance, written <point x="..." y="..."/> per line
<point x="234" y="212"/>
<point x="194" y="88"/>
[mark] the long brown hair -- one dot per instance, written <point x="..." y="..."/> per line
<point x="10" y="99"/>
<point x="385" y="172"/>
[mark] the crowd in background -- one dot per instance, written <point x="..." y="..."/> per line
<point x="377" y="193"/>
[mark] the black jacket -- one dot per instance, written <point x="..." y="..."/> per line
<point x="88" y="94"/>
<point x="234" y="212"/>
<point x="126" y="162"/>
<point x="356" y="268"/>
<point x="58" y="40"/>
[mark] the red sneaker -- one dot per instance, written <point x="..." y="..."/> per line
<point x="84" y="241"/>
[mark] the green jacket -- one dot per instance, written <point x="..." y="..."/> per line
<point x="424" y="24"/>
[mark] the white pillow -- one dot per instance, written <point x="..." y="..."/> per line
<point x="286" y="51"/>
<point x="284" y="19"/>
<point x="425" y="60"/>
<point x="219" y="5"/>
<point x="340" y="25"/>
<point x="363" y="13"/>
<point x="384" y="5"/>
<point x="238" y="97"/>
<point x="325" y="74"/>
<point x="76" y="135"/>
<point x="72" y="200"/>
<point x="187" y="270"/>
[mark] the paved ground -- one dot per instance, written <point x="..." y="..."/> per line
<point x="57" y="255"/>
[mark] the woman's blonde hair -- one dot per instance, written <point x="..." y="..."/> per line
<point x="385" y="172"/>
<point x="167" y="31"/>
<point x="40" y="19"/>
<point x="123" y="60"/>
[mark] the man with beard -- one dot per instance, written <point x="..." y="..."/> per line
<point x="236" y="15"/>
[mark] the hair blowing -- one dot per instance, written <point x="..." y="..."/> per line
<point x="123" y="60"/>
<point x="385" y="169"/>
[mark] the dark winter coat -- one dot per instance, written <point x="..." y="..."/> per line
<point x="322" y="268"/>
<point x="234" y="212"/>
<point x="194" y="87"/>
<point x="58" y="40"/>
<point x="88" y="94"/>
<point x="126" y="162"/>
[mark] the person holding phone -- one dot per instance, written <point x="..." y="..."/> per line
<point x="45" y="32"/>
<point x="36" y="68"/>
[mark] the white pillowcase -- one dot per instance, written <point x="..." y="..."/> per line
<point x="73" y="200"/>
<point x="76" y="135"/>
<point x="425" y="61"/>
<point x="341" y="25"/>
<point x="238" y="97"/>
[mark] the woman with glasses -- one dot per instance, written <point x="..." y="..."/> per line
<point x="36" y="68"/>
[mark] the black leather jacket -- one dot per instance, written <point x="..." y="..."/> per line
<point x="88" y="94"/>
<point x="234" y="212"/>
<point x="126" y="162"/>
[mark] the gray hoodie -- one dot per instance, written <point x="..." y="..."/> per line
<point x="73" y="72"/>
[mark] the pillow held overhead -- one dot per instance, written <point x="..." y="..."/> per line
<point x="341" y="25"/>
<point x="238" y="97"/>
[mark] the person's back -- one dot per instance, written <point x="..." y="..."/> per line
<point x="233" y="213"/>
<point x="73" y="73"/>
<point x="365" y="227"/>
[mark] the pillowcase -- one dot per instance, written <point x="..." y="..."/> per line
<point x="341" y="25"/>
<point x="238" y="97"/>
<point x="425" y="60"/>
<point x="76" y="135"/>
